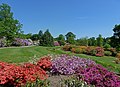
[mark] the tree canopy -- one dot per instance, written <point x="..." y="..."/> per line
<point x="70" y="38"/>
<point x="47" y="39"/>
<point x="9" y="27"/>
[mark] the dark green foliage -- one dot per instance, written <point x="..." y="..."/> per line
<point x="115" y="39"/>
<point x="28" y="36"/>
<point x="100" y="40"/>
<point x="106" y="46"/>
<point x="82" y="41"/>
<point x="47" y="39"/>
<point x="107" y="53"/>
<point x="35" y="37"/>
<point x="40" y="34"/>
<point x="70" y="38"/>
<point x="92" y="41"/>
<point x="61" y="39"/>
<point x="9" y="27"/>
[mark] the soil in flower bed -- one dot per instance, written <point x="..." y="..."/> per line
<point x="56" y="80"/>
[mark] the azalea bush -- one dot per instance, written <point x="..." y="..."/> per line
<point x="3" y="42"/>
<point x="45" y="62"/>
<point x="26" y="74"/>
<point x="21" y="42"/>
<point x="99" y="76"/>
<point x="91" y="50"/>
<point x="67" y="47"/>
<point x="99" y="51"/>
<point x="56" y="43"/>
<point x="64" y="64"/>
<point x="79" y="49"/>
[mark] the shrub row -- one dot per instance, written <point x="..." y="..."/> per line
<point x="91" y="50"/>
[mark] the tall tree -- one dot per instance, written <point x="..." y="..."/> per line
<point x="40" y="36"/>
<point x="115" y="39"/>
<point x="47" y="39"/>
<point x="61" y="39"/>
<point x="92" y="41"/>
<point x="40" y="33"/>
<point x="100" y="40"/>
<point x="35" y="37"/>
<point x="82" y="41"/>
<point x="9" y="27"/>
<point x="70" y="37"/>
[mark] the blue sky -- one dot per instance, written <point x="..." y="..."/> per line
<point x="82" y="17"/>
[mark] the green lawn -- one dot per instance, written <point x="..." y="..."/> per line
<point x="24" y="54"/>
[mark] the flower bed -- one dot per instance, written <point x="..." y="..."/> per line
<point x="69" y="64"/>
<point x="13" y="75"/>
<point x="99" y="76"/>
<point x="85" y="70"/>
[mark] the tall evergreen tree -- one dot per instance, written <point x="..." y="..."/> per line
<point x="100" y="40"/>
<point x="47" y="39"/>
<point x="40" y="34"/>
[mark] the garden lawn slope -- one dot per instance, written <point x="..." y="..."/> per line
<point x="24" y="54"/>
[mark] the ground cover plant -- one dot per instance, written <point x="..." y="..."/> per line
<point x="86" y="70"/>
<point x="64" y="64"/>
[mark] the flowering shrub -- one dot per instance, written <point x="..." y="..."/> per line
<point x="56" y="43"/>
<point x="64" y="64"/>
<point x="21" y="42"/>
<point x="99" y="51"/>
<point x="67" y="47"/>
<point x="3" y="42"/>
<point x="45" y="62"/>
<point x="90" y="50"/>
<point x="13" y="75"/>
<point x="79" y="49"/>
<point x="117" y="60"/>
<point x="99" y="76"/>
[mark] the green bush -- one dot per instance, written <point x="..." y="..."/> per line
<point x="93" y="52"/>
<point x="78" y="50"/>
<point x="39" y="83"/>
<point x="67" y="47"/>
<point x="74" y="82"/>
<point x="107" y="53"/>
<point x="106" y="46"/>
<point x="113" y="50"/>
